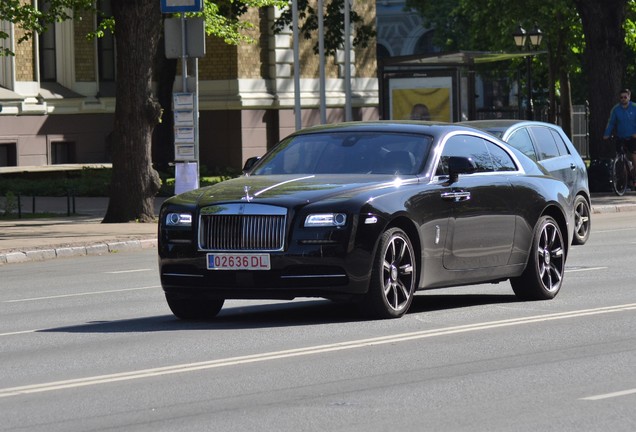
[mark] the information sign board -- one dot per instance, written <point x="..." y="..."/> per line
<point x="178" y="6"/>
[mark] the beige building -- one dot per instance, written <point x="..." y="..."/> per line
<point x="57" y="93"/>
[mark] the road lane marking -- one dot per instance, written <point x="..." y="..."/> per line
<point x="129" y="271"/>
<point x="610" y="395"/>
<point x="298" y="352"/>
<point x="584" y="269"/>
<point x="80" y="294"/>
<point x="21" y="332"/>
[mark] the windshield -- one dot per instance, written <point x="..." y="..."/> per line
<point x="347" y="153"/>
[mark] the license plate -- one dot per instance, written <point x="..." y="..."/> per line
<point x="233" y="261"/>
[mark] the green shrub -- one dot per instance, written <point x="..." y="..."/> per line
<point x="86" y="182"/>
<point x="89" y="182"/>
<point x="10" y="204"/>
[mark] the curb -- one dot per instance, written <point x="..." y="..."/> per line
<point x="613" y="208"/>
<point x="75" y="251"/>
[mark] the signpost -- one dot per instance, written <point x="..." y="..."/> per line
<point x="185" y="37"/>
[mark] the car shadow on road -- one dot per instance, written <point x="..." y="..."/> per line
<point x="283" y="314"/>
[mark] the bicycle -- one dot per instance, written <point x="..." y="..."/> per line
<point x="621" y="169"/>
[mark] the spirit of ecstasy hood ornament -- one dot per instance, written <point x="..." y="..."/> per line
<point x="247" y="196"/>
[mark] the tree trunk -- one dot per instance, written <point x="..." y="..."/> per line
<point x="603" y="63"/>
<point x="134" y="182"/>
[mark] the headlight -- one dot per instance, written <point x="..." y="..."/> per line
<point x="326" y="220"/>
<point x="179" y="219"/>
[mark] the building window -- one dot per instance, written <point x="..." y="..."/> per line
<point x="62" y="152"/>
<point x="8" y="155"/>
<point x="47" y="53"/>
<point x="106" y="53"/>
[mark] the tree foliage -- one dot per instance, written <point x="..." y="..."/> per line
<point x="333" y="25"/>
<point x="585" y="41"/>
<point x="485" y="25"/>
<point x="33" y="20"/>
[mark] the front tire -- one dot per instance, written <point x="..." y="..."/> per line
<point x="582" y="220"/>
<point x="194" y="309"/>
<point x="393" y="277"/>
<point x="543" y="276"/>
<point x="619" y="176"/>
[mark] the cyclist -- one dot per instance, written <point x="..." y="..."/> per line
<point x="622" y="120"/>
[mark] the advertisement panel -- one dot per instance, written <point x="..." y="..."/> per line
<point x="421" y="98"/>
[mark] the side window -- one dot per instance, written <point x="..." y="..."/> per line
<point x="545" y="143"/>
<point x="8" y="154"/>
<point x="106" y="53"/>
<point x="563" y="148"/>
<point x="521" y="141"/>
<point x="468" y="146"/>
<point x="47" y="49"/>
<point x="63" y="152"/>
<point x="501" y="160"/>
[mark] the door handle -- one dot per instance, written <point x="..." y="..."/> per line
<point x="456" y="196"/>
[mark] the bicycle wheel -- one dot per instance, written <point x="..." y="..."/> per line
<point x="620" y="176"/>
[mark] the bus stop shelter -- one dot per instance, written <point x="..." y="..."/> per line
<point x="439" y="87"/>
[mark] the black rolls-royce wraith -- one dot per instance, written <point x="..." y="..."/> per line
<point x="368" y="212"/>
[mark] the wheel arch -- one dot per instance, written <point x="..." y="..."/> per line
<point x="586" y="195"/>
<point x="408" y="226"/>
<point x="556" y="214"/>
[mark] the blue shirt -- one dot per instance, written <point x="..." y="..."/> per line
<point x="623" y="119"/>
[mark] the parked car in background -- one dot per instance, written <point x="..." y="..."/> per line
<point x="549" y="145"/>
<point x="367" y="212"/>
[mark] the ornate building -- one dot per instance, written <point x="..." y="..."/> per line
<point x="57" y="92"/>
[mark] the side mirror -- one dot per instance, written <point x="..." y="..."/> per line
<point x="459" y="165"/>
<point x="249" y="163"/>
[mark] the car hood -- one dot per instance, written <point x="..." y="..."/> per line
<point x="290" y="189"/>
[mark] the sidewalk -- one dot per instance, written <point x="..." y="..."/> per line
<point x="83" y="233"/>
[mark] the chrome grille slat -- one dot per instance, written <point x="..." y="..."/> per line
<point x="238" y="227"/>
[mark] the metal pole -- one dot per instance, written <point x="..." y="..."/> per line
<point x="347" y="61"/>
<point x="196" y="121"/>
<point x="321" y="60"/>
<point x="184" y="55"/>
<point x="297" y="110"/>
<point x="529" y="108"/>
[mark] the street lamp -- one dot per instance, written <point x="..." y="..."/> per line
<point x="532" y="41"/>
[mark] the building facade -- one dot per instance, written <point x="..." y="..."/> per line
<point x="57" y="94"/>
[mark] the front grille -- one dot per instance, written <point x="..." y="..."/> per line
<point x="238" y="227"/>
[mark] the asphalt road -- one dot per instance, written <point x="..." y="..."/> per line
<point x="88" y="344"/>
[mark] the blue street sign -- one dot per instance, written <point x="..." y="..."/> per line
<point x="179" y="6"/>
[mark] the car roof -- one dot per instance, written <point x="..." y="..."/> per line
<point x="504" y="124"/>
<point x="413" y="126"/>
<point x="436" y="129"/>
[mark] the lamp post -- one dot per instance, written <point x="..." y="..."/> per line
<point x="532" y="41"/>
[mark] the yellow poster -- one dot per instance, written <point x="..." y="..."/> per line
<point x="421" y="104"/>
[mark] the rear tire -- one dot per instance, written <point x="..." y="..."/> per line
<point x="392" y="284"/>
<point x="194" y="309"/>
<point x="620" y="176"/>
<point x="543" y="276"/>
<point x="582" y="220"/>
